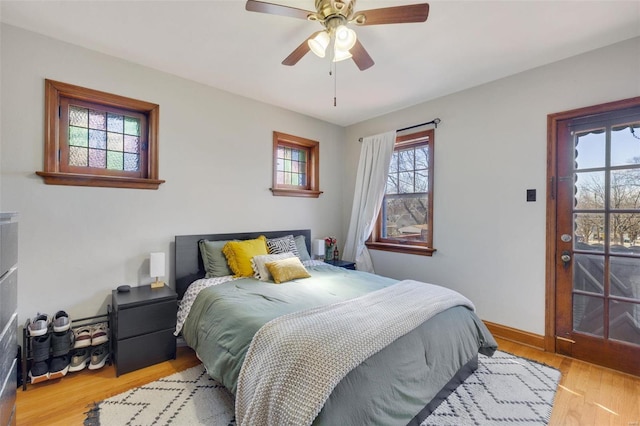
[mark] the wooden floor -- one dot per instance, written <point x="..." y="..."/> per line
<point x="587" y="394"/>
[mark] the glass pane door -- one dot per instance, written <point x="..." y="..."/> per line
<point x="606" y="223"/>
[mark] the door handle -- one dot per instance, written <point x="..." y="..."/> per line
<point x="566" y="257"/>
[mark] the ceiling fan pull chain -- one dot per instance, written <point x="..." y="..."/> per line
<point x="335" y="79"/>
<point x="333" y="67"/>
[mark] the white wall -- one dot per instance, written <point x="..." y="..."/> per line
<point x="489" y="148"/>
<point x="76" y="244"/>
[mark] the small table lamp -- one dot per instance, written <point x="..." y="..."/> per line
<point x="318" y="248"/>
<point x="156" y="268"/>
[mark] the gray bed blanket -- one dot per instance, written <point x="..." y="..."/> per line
<point x="300" y="357"/>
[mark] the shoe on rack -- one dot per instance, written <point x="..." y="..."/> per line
<point x="39" y="372"/>
<point x="40" y="347"/>
<point x="82" y="337"/>
<point x="61" y="343"/>
<point x="79" y="359"/>
<point x="99" y="356"/>
<point x="59" y="367"/>
<point x="99" y="334"/>
<point x="61" y="322"/>
<point x="40" y="325"/>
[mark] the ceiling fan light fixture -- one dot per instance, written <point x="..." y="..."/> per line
<point x="319" y="43"/>
<point x="345" y="38"/>
<point x="340" y="54"/>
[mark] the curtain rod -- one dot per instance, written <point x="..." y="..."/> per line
<point x="435" y="122"/>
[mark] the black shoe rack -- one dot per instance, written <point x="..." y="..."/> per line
<point x="27" y="350"/>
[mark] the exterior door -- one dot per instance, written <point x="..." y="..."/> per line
<point x="597" y="235"/>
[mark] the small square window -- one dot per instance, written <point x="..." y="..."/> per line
<point x="295" y="166"/>
<point x="94" y="138"/>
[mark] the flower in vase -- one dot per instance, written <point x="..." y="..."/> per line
<point x="330" y="241"/>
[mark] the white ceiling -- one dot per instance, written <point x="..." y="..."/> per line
<point x="219" y="43"/>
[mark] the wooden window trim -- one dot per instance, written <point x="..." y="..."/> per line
<point x="52" y="173"/>
<point x="375" y="241"/>
<point x="312" y="147"/>
<point x="401" y="248"/>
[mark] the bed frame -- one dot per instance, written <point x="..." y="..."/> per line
<point x="188" y="262"/>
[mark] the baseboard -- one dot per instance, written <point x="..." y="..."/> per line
<point x="515" y="335"/>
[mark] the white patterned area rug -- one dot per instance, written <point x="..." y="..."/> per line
<point x="505" y="390"/>
<point x="189" y="397"/>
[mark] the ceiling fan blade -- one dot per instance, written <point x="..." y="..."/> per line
<point x="361" y="57"/>
<point x="394" y="15"/>
<point x="299" y="51"/>
<point x="276" y="9"/>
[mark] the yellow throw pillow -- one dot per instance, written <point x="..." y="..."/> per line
<point x="286" y="270"/>
<point x="239" y="254"/>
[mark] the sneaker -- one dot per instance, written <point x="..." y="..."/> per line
<point x="40" y="347"/>
<point x="40" y="325"/>
<point x="82" y="337"/>
<point x="79" y="360"/>
<point x="99" y="356"/>
<point x="59" y="367"/>
<point x="61" y="343"/>
<point x="39" y="372"/>
<point x="61" y="322"/>
<point x="99" y="334"/>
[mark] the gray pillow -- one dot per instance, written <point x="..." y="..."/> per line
<point x="301" y="244"/>
<point x="215" y="263"/>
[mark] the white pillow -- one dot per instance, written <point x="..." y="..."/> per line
<point x="258" y="263"/>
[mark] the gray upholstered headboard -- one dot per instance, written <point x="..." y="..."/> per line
<point x="188" y="262"/>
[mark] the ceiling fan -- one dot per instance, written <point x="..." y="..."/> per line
<point x="335" y="15"/>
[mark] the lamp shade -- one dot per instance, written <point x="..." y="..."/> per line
<point x="156" y="265"/>
<point x="319" y="43"/>
<point x="345" y="38"/>
<point x="341" y="55"/>
<point x="318" y="247"/>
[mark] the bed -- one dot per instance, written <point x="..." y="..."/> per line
<point x="400" y="383"/>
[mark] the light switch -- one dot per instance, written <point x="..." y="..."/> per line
<point x="531" y="194"/>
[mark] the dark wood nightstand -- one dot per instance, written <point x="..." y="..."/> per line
<point x="342" y="264"/>
<point x="143" y="321"/>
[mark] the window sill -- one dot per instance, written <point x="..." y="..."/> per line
<point x="73" y="179"/>
<point x="401" y="248"/>
<point x="279" y="192"/>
